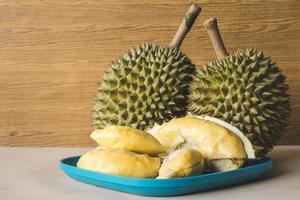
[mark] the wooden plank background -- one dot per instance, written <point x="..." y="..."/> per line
<point x="53" y="52"/>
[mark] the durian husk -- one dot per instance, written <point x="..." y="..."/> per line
<point x="146" y="85"/>
<point x="127" y="138"/>
<point x="247" y="90"/>
<point x="120" y="162"/>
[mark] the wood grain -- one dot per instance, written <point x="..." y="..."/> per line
<point x="52" y="53"/>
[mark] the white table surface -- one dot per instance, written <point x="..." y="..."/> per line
<point x="33" y="173"/>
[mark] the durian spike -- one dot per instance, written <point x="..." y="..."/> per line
<point x="213" y="31"/>
<point x="185" y="25"/>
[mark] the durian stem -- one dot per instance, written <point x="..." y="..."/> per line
<point x="213" y="31"/>
<point x="185" y="25"/>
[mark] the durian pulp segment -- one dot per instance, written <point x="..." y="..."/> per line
<point x="146" y="85"/>
<point x="212" y="140"/>
<point x="182" y="163"/>
<point x="120" y="162"/>
<point x="131" y="139"/>
<point x="172" y="140"/>
<point x="179" y="141"/>
<point x="246" y="142"/>
<point x="227" y="164"/>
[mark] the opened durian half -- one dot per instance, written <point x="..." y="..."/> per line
<point x="148" y="84"/>
<point x="222" y="146"/>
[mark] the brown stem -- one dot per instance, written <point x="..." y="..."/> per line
<point x="185" y="25"/>
<point x="212" y="28"/>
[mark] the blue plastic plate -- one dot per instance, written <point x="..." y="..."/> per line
<point x="252" y="169"/>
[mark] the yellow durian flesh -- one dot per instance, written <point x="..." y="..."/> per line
<point x="131" y="139"/>
<point x="226" y="164"/>
<point x="120" y="162"/>
<point x="171" y="140"/>
<point x="182" y="163"/>
<point x="216" y="143"/>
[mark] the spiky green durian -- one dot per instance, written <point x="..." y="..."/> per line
<point x="247" y="90"/>
<point x="147" y="84"/>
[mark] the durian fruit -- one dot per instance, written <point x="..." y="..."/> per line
<point x="147" y="84"/>
<point x="182" y="163"/>
<point x="120" y="162"/>
<point x="127" y="138"/>
<point x="245" y="89"/>
<point x="221" y="148"/>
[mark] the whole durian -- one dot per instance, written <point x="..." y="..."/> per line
<point x="147" y="84"/>
<point x="246" y="89"/>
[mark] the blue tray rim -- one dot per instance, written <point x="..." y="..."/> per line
<point x="265" y="164"/>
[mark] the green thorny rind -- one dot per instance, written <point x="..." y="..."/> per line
<point x="147" y="85"/>
<point x="247" y="90"/>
